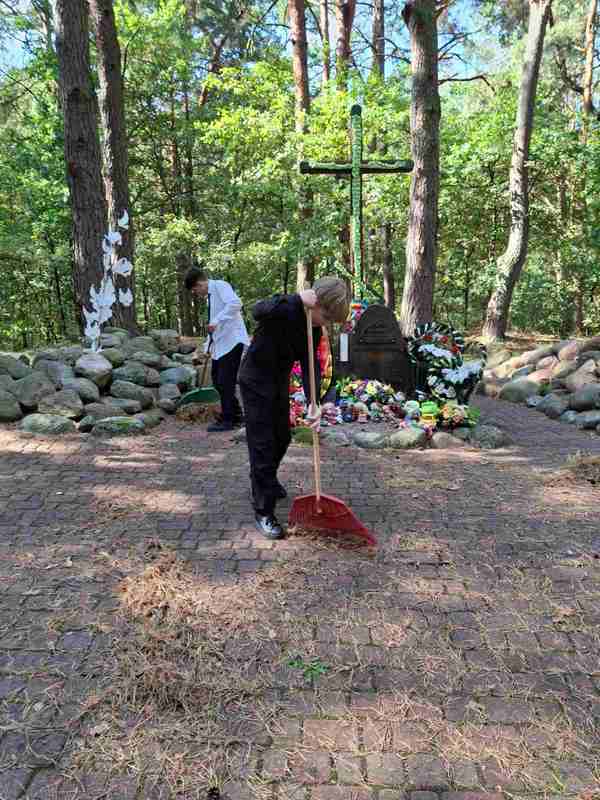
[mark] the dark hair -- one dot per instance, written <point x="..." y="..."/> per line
<point x="193" y="276"/>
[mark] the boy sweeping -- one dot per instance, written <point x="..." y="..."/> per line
<point x="279" y="340"/>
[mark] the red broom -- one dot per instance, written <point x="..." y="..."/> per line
<point x="323" y="512"/>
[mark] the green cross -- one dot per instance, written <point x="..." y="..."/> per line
<point x="356" y="168"/>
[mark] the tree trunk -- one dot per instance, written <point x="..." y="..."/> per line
<point x="297" y="15"/>
<point x="116" y="161"/>
<point x="510" y="263"/>
<point x="325" y="40"/>
<point x="421" y="241"/>
<point x="82" y="149"/>
<point x="588" y="75"/>
<point x="344" y="18"/>
<point x="384" y="233"/>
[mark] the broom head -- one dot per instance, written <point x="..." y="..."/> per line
<point x="328" y="515"/>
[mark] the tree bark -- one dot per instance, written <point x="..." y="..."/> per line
<point x="82" y="149"/>
<point x="588" y="75"/>
<point x="510" y="263"/>
<point x="325" y="40"/>
<point x="421" y="241"/>
<point x="344" y="18"/>
<point x="378" y="38"/>
<point x="297" y="15"/>
<point x="115" y="155"/>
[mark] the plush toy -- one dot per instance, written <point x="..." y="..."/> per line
<point x="329" y="414"/>
<point x="429" y="414"/>
<point x="376" y="412"/>
<point x="412" y="410"/>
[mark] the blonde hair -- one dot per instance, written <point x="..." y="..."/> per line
<point x="332" y="295"/>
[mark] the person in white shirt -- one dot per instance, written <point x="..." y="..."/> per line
<point x="227" y="338"/>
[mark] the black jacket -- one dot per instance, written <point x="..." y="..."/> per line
<point x="279" y="340"/>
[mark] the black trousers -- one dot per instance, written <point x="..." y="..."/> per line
<point x="267" y="417"/>
<point x="224" y="379"/>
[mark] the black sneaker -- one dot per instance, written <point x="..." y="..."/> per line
<point x="269" y="526"/>
<point x="220" y="427"/>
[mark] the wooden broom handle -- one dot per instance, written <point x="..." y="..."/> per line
<point x="313" y="403"/>
<point x="206" y="360"/>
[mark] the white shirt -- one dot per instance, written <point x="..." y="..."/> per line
<point x="226" y="314"/>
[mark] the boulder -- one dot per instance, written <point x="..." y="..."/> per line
<point x="563" y="368"/>
<point x="95" y="367"/>
<point x="122" y="405"/>
<point x="49" y="354"/>
<point x="534" y="400"/>
<point x="490" y="437"/>
<point x="134" y="372"/>
<point x="65" y="403"/>
<point x="571" y="350"/>
<point x="55" y="371"/>
<point x="332" y="438"/>
<point x="167" y="341"/>
<point x="506" y="369"/>
<point x="462" y="433"/>
<point x="186" y="348"/>
<point x="581" y="377"/>
<point x="490" y="388"/>
<point x="179" y="376"/>
<point x="167" y="363"/>
<point x="548" y="361"/>
<point x="498" y="357"/>
<point x="168" y="397"/>
<point x="441" y="440"/>
<point x="131" y="391"/>
<point x="8" y="384"/>
<point x="108" y="340"/>
<point x="31" y="389"/>
<point x="588" y="355"/>
<point x="179" y="358"/>
<point x="408" y="438"/>
<point x="144" y="343"/>
<point x="371" y="440"/>
<point x="147" y="359"/>
<point x="588" y="420"/>
<point x="96" y="411"/>
<point x="522" y="372"/>
<point x="70" y="354"/>
<point x="518" y="391"/>
<point x="10" y="410"/>
<point x="115" y="355"/>
<point x="118" y="426"/>
<point x="534" y="356"/>
<point x="541" y="376"/>
<point x="554" y="405"/>
<point x="586" y="399"/>
<point x="569" y="417"/>
<point x="13" y="367"/>
<point x="47" y="424"/>
<point x="150" y="419"/>
<point x="114" y="331"/>
<point x="85" y="388"/>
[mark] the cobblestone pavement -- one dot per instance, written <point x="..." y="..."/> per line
<point x="460" y="661"/>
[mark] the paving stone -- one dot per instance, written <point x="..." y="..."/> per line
<point x="385" y="769"/>
<point x="427" y="772"/>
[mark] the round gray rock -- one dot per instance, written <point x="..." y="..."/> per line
<point x="55" y="371"/>
<point x="131" y="391"/>
<point x="523" y="372"/>
<point x="489" y="437"/>
<point x="588" y="420"/>
<point x="554" y="405"/>
<point x="534" y="400"/>
<point x="70" y="354"/>
<point x="47" y="424"/>
<point x="581" y="377"/>
<point x="518" y="391"/>
<point x="463" y="433"/>
<point x="135" y="372"/>
<point x="145" y="343"/>
<point x="334" y="438"/>
<point x="167" y="341"/>
<point x="115" y="355"/>
<point x="10" y="410"/>
<point x="186" y="348"/>
<point x="150" y="419"/>
<point x="65" y="403"/>
<point x="371" y="440"/>
<point x="33" y="388"/>
<point x="147" y="359"/>
<point x="8" y="384"/>
<point x="569" y="417"/>
<point x="445" y="441"/>
<point x="13" y="367"/>
<point x="586" y="399"/>
<point x="118" y="426"/>
<point x="498" y="357"/>
<point x="178" y="375"/>
<point x="95" y="367"/>
<point x="85" y="388"/>
<point x="408" y="438"/>
<point x="123" y="405"/>
<point x="110" y="340"/>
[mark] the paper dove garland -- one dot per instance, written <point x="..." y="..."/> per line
<point x="103" y="300"/>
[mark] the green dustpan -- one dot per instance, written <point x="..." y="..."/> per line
<point x="205" y="395"/>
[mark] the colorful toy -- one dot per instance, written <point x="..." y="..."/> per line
<point x="412" y="410"/>
<point x="429" y="413"/>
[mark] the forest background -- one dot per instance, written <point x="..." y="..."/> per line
<point x="218" y="104"/>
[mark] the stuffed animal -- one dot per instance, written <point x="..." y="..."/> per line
<point x="362" y="411"/>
